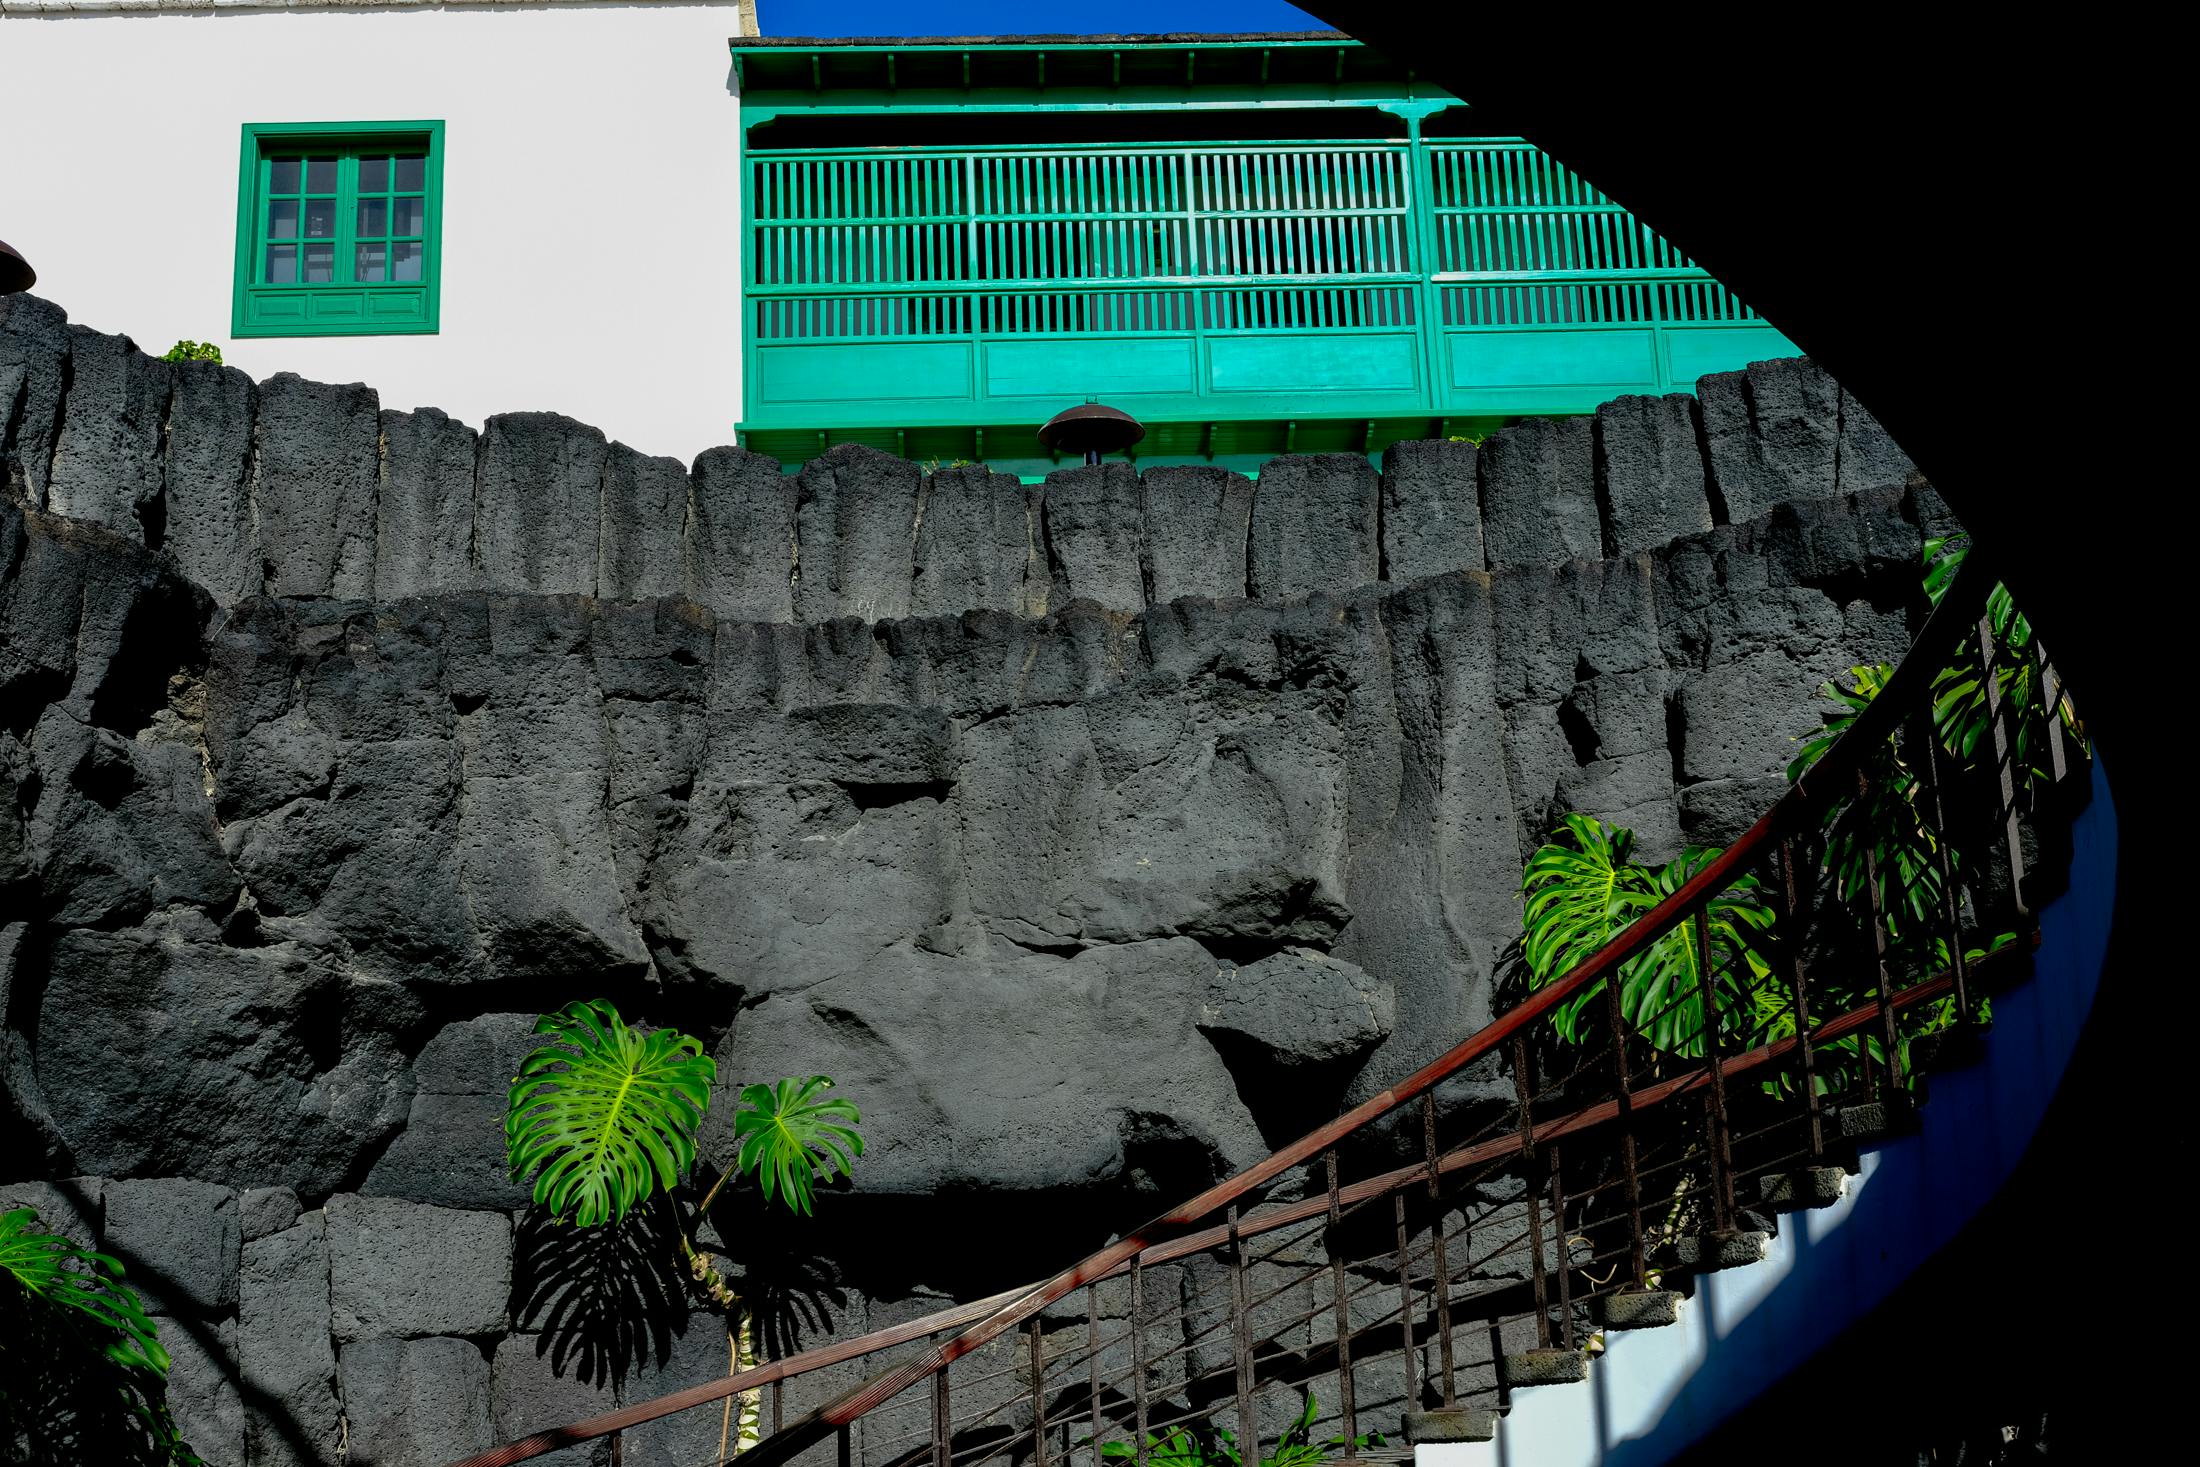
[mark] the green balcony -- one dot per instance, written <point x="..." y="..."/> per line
<point x="1243" y="298"/>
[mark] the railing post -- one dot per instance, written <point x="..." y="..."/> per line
<point x="1138" y="1360"/>
<point x="845" y="1446"/>
<point x="1890" y="1051"/>
<point x="1951" y="907"/>
<point x="1038" y="1393"/>
<point x="2058" y="761"/>
<point x="1799" y="984"/>
<point x="1442" y="1260"/>
<point x="1241" y="1336"/>
<point x="1722" y="1160"/>
<point x="1522" y="1083"/>
<point x="942" y="1423"/>
<point x="1405" y="1296"/>
<point x="1092" y="1362"/>
<point x="1563" y="1251"/>
<point x="1341" y="1305"/>
<point x="2005" y="759"/>
<point x="1623" y="1094"/>
<point x="779" y="1395"/>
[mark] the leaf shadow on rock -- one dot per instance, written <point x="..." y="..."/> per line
<point x="604" y="1299"/>
<point x="783" y="1270"/>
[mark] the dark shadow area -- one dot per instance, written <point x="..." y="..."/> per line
<point x="604" y="1299"/>
<point x="51" y="1374"/>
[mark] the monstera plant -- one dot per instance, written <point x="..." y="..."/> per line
<point x="604" y="1117"/>
<point x="83" y="1376"/>
<point x="1583" y="888"/>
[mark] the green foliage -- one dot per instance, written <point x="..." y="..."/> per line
<point x="1879" y="828"/>
<point x="82" y="1372"/>
<point x="1961" y="717"/>
<point x="1582" y="890"/>
<point x="40" y="1264"/>
<point x="1216" y="1446"/>
<point x="192" y="351"/>
<point x="792" y="1134"/>
<point x="605" y="1115"/>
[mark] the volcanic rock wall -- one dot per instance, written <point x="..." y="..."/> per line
<point x="1094" y="836"/>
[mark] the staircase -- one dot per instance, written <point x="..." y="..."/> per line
<point x="1425" y="1272"/>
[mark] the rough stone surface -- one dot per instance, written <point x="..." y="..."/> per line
<point x="855" y="534"/>
<point x="1641" y="1309"/>
<point x="539" y="502"/>
<point x="1301" y="1008"/>
<point x="377" y="1282"/>
<point x="1095" y="529"/>
<point x="740" y="550"/>
<point x="645" y="506"/>
<point x="34" y="358"/>
<point x="211" y="411"/>
<point x="1771" y="435"/>
<point x="202" y="1387"/>
<point x="179" y="1240"/>
<point x="1869" y="457"/>
<point x="107" y="460"/>
<point x="316" y="459"/>
<point x="415" y="1403"/>
<point x="528" y="1393"/>
<point x="975" y="829"/>
<point x="285" y="1355"/>
<point x="1538" y="494"/>
<point x="1712" y="1252"/>
<point x="1811" y="1187"/>
<point x="265" y="1210"/>
<point x="1546" y="1367"/>
<point x="1194" y="532"/>
<point x="424" y="527"/>
<point x="1454" y="1424"/>
<point x="460" y="1080"/>
<point x="1314" y="526"/>
<point x="70" y="1206"/>
<point x="1650" y="472"/>
<point x="1432" y="509"/>
<point x="978" y="547"/>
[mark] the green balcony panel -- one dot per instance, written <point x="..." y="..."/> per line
<point x="1227" y="290"/>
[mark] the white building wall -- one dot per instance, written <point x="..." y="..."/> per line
<point x="591" y="192"/>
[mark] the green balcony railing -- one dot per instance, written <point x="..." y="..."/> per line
<point x="1218" y="283"/>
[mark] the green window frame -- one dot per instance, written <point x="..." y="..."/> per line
<point x="339" y="229"/>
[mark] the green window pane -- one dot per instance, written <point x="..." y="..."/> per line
<point x="282" y="264"/>
<point x="320" y="264"/>
<point x="320" y="175"/>
<point x="282" y="219"/>
<point x="412" y="174"/>
<point x="320" y="219"/>
<point x="374" y="218"/>
<point x="373" y="262"/>
<point x="374" y="175"/>
<point x="407" y="216"/>
<point x="405" y="261"/>
<point x="282" y="176"/>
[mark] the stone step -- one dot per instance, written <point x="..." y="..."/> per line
<point x="1798" y="1191"/>
<point x="1641" y="1309"/>
<point x="1451" y="1424"/>
<point x="1710" y="1252"/>
<point x="1546" y="1367"/>
<point x="1872" y="1120"/>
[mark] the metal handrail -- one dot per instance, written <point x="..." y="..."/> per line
<point x="1175" y="1234"/>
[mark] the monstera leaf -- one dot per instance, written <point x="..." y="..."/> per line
<point x="604" y="1115"/>
<point x="1583" y="889"/>
<point x="41" y="1265"/>
<point x="792" y="1134"/>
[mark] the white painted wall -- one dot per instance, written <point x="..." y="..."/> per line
<point x="591" y="193"/>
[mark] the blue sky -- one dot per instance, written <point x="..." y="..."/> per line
<point x="1024" y="17"/>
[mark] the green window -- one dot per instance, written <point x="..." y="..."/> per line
<point x="339" y="229"/>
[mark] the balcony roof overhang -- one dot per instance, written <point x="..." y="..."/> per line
<point x="776" y="74"/>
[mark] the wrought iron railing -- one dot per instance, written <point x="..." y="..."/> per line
<point x="1436" y="1246"/>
